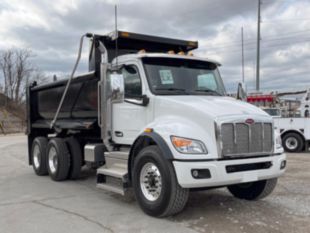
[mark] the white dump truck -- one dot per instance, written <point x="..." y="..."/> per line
<point x="152" y="119"/>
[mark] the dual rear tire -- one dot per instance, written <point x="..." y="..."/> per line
<point x="60" y="158"/>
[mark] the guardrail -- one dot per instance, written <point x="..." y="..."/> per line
<point x="7" y="126"/>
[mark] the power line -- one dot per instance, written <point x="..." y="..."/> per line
<point x="281" y="20"/>
<point x="264" y="39"/>
<point x="263" y="46"/>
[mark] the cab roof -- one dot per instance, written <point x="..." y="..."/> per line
<point x="127" y="57"/>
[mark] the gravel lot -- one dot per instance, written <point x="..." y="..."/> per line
<point x="29" y="203"/>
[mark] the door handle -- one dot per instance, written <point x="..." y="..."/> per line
<point x="118" y="133"/>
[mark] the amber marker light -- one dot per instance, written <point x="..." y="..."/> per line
<point x="148" y="130"/>
<point x="124" y="34"/>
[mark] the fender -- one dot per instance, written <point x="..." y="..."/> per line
<point x="141" y="141"/>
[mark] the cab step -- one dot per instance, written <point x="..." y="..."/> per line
<point x="113" y="176"/>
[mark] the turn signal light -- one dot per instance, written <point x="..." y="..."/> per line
<point x="180" y="142"/>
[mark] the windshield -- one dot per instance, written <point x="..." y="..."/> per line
<point x="175" y="76"/>
<point x="273" y="111"/>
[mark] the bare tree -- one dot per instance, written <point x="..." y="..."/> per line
<point x="18" y="71"/>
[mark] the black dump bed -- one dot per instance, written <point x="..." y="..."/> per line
<point x="79" y="108"/>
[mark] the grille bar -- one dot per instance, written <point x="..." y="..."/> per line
<point x="244" y="139"/>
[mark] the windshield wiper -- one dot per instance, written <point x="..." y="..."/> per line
<point x="170" y="89"/>
<point x="209" y="91"/>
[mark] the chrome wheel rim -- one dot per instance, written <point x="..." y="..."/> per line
<point x="36" y="156"/>
<point x="52" y="159"/>
<point x="291" y="143"/>
<point x="150" y="181"/>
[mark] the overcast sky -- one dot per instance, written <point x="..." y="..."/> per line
<point x="51" y="29"/>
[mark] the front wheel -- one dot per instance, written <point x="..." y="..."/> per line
<point x="253" y="190"/>
<point x="155" y="185"/>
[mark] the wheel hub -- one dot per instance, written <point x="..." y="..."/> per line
<point x="52" y="159"/>
<point x="291" y="143"/>
<point x="150" y="181"/>
<point x="36" y="156"/>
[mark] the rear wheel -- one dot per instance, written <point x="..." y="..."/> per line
<point x="38" y="156"/>
<point x="293" y="142"/>
<point x="253" y="190"/>
<point x="75" y="158"/>
<point x="58" y="159"/>
<point x="155" y="185"/>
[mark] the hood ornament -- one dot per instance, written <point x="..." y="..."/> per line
<point x="249" y="121"/>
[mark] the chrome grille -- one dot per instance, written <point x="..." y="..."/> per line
<point x="242" y="139"/>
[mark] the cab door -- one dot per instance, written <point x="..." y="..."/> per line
<point x="129" y="117"/>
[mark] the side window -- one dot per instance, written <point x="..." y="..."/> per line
<point x="133" y="86"/>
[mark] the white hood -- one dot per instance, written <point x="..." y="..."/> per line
<point x="213" y="106"/>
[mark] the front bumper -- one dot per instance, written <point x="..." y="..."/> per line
<point x="219" y="174"/>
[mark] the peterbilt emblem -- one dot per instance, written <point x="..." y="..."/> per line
<point x="249" y="121"/>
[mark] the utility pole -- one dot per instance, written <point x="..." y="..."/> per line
<point x="258" y="45"/>
<point x="116" y="33"/>
<point x="242" y="55"/>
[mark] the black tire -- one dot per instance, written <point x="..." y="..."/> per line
<point x="172" y="198"/>
<point x="253" y="190"/>
<point x="38" y="160"/>
<point x="59" y="169"/>
<point x="293" y="142"/>
<point x="75" y="158"/>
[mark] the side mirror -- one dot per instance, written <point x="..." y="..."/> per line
<point x="241" y="93"/>
<point x="117" y="87"/>
<point x="142" y="100"/>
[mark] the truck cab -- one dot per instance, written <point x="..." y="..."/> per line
<point x="163" y="127"/>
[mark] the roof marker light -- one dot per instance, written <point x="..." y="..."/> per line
<point x="148" y="130"/>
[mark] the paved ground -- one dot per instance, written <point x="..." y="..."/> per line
<point x="31" y="204"/>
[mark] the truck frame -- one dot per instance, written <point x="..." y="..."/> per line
<point x="154" y="119"/>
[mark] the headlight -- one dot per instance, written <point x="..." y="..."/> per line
<point x="188" y="146"/>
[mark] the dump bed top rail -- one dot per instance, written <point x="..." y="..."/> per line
<point x="128" y="42"/>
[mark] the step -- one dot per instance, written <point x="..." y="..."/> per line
<point x="111" y="188"/>
<point x="122" y="155"/>
<point x="116" y="171"/>
<point x="113" y="178"/>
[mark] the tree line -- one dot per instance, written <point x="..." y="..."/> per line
<point x="18" y="71"/>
